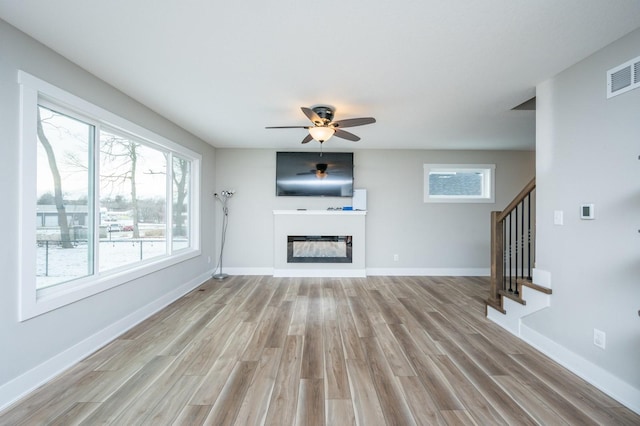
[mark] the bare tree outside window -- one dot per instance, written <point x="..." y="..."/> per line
<point x="133" y="197"/>
<point x="62" y="189"/>
<point x="181" y="178"/>
<point x="120" y="161"/>
<point x="65" y="240"/>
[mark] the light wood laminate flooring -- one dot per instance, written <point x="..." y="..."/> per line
<point x="320" y="351"/>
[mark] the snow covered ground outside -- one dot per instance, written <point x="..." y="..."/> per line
<point x="56" y="265"/>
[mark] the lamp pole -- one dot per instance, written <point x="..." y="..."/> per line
<point x="223" y="197"/>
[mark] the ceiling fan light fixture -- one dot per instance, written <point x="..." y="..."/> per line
<point x="321" y="133"/>
<point x="324" y="127"/>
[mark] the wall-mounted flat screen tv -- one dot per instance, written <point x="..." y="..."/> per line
<point x="308" y="174"/>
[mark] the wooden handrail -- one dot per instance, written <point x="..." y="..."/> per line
<point x="498" y="272"/>
<point x="512" y="205"/>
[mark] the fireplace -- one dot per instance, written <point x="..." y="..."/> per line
<point x="319" y="249"/>
<point x="318" y="243"/>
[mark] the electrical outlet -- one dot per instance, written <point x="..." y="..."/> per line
<point x="209" y="259"/>
<point x="396" y="257"/>
<point x="599" y="338"/>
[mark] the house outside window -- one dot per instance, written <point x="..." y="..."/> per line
<point x="104" y="201"/>
<point x="459" y="183"/>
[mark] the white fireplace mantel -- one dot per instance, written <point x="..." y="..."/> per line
<point x="321" y="212"/>
<point x="319" y="222"/>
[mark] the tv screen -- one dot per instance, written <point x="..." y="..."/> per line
<point x="308" y="174"/>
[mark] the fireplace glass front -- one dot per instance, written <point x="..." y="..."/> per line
<point x="319" y="249"/>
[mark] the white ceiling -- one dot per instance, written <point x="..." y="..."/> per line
<point x="435" y="74"/>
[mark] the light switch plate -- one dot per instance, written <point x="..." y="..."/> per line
<point x="599" y="338"/>
<point x="558" y="217"/>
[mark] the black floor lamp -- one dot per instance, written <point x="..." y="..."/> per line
<point x="223" y="197"/>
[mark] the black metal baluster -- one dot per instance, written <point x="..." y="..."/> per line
<point x="510" y="251"/>
<point x="529" y="235"/>
<point x="522" y="241"/>
<point x="517" y="240"/>
<point x="504" y="253"/>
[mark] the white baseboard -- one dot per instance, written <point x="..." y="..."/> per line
<point x="510" y="323"/>
<point x="320" y="273"/>
<point x="359" y="273"/>
<point x="597" y="376"/>
<point x="430" y="272"/>
<point x="592" y="373"/>
<point x="15" y="389"/>
<point x="248" y="271"/>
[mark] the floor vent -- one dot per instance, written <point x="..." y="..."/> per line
<point x="623" y="78"/>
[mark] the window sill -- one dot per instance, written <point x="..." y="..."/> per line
<point x="459" y="200"/>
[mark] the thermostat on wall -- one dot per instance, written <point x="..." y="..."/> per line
<point x="586" y="211"/>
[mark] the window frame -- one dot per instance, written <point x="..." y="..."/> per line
<point x="488" y="183"/>
<point x="33" y="301"/>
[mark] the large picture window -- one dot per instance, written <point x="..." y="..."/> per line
<point x="104" y="201"/>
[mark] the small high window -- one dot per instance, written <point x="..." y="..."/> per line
<point x="459" y="183"/>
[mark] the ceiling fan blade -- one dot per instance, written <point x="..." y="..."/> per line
<point x="311" y="115"/>
<point x="346" y="135"/>
<point x="287" y="127"/>
<point x="352" y="122"/>
<point x="307" y="139"/>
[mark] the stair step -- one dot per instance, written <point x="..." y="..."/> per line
<point x="513" y="296"/>
<point x="530" y="284"/>
<point x="519" y="284"/>
<point x="497" y="306"/>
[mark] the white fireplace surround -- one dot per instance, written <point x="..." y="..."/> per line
<point x="319" y="222"/>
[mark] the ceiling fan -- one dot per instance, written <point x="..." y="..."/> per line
<point x="324" y="127"/>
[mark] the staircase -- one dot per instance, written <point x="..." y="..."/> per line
<point x="517" y="289"/>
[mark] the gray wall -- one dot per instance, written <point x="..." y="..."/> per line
<point x="429" y="238"/>
<point x="587" y="152"/>
<point x="25" y="345"/>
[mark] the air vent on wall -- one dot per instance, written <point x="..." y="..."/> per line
<point x="623" y="78"/>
